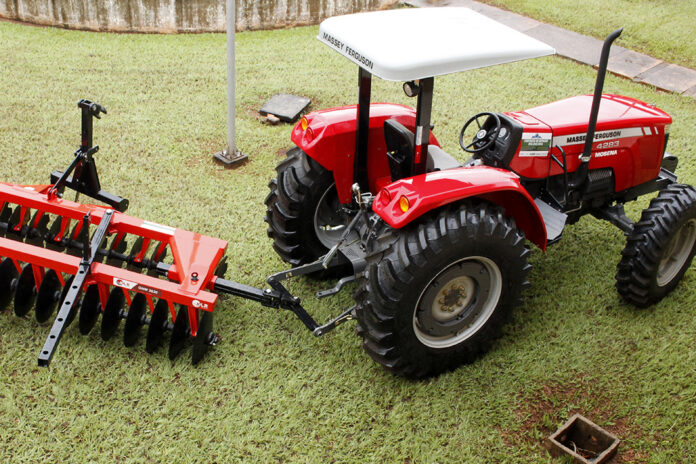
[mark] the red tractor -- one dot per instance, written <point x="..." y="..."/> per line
<point x="438" y="248"/>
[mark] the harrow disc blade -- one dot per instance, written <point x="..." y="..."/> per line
<point x="135" y="250"/>
<point x="158" y="323"/>
<point x="13" y="222"/>
<point x="8" y="274"/>
<point x="47" y="298"/>
<point x="90" y="309"/>
<point x="204" y="339"/>
<point x="134" y="320"/>
<point x="112" y="313"/>
<point x="53" y="232"/>
<point x="157" y="257"/>
<point x="5" y="213"/>
<point x="221" y="268"/>
<point x="25" y="293"/>
<point x="120" y="248"/>
<point x="180" y="333"/>
<point x="75" y="243"/>
<point x="36" y="234"/>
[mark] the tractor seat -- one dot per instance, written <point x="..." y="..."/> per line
<point x="439" y="160"/>
<point x="400" y="147"/>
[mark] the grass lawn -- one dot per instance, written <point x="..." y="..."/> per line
<point x="660" y="28"/>
<point x="270" y="391"/>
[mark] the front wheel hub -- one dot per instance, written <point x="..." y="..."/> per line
<point x="677" y="252"/>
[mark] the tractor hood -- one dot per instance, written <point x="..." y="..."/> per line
<point x="571" y="116"/>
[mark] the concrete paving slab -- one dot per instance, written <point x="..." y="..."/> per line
<point x="628" y="63"/>
<point x="569" y="44"/>
<point x="624" y="62"/>
<point x="670" y="77"/>
<point x="513" y="20"/>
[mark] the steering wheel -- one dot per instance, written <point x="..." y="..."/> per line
<point x="484" y="138"/>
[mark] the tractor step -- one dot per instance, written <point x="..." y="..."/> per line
<point x="554" y="221"/>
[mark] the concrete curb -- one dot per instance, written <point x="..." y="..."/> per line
<point x="623" y="62"/>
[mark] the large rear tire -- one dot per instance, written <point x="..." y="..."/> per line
<point x="303" y="213"/>
<point x="443" y="291"/>
<point x="660" y="248"/>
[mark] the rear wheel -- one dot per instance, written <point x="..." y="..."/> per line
<point x="303" y="213"/>
<point x="442" y="293"/>
<point x="660" y="248"/>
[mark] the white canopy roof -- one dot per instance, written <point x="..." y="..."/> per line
<point x="415" y="43"/>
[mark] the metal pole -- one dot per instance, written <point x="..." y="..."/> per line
<point x="230" y="155"/>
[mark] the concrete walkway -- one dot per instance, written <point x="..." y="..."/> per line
<point x="578" y="47"/>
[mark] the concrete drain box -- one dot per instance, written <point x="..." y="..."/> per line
<point x="584" y="440"/>
<point x="286" y="107"/>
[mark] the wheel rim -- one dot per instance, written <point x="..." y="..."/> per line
<point x="457" y="302"/>
<point x="329" y="219"/>
<point x="677" y="253"/>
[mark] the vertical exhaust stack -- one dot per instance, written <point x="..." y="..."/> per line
<point x="594" y="112"/>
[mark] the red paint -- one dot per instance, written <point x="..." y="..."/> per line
<point x="637" y="159"/>
<point x="432" y="190"/>
<point x="331" y="142"/>
<point x="192" y="253"/>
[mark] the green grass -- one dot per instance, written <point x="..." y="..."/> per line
<point x="660" y="28"/>
<point x="270" y="391"/>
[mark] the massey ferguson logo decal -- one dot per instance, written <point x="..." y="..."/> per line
<point x="340" y="46"/>
<point x="576" y="139"/>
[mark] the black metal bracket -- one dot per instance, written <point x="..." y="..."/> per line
<point x="563" y="166"/>
<point x="580" y="175"/>
<point x="280" y="298"/>
<point x="362" y="128"/>
<point x="615" y="215"/>
<point x="422" y="136"/>
<point x="69" y="303"/>
<point x="84" y="177"/>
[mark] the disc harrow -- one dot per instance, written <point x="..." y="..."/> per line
<point x="96" y="264"/>
<point x="137" y="285"/>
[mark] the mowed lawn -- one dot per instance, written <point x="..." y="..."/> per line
<point x="270" y="391"/>
<point x="660" y="28"/>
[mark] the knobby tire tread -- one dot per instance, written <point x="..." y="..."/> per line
<point x="385" y="301"/>
<point x="636" y="277"/>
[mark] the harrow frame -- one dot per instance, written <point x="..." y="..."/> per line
<point x="191" y="282"/>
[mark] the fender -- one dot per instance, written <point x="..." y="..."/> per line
<point x="329" y="139"/>
<point x="426" y="192"/>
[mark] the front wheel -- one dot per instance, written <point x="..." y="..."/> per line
<point x="442" y="293"/>
<point x="660" y="247"/>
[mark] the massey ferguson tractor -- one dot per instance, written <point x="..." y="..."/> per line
<point x="437" y="247"/>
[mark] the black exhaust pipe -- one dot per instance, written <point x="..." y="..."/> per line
<point x="581" y="173"/>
